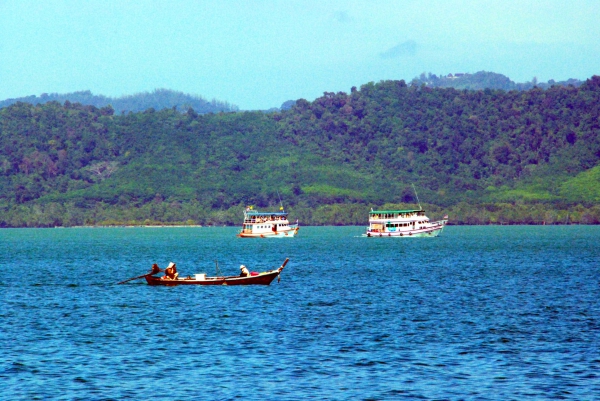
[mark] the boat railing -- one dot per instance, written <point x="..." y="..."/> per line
<point x="255" y="220"/>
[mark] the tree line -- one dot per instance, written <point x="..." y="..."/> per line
<point x="158" y="99"/>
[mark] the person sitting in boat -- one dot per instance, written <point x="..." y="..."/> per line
<point x="244" y="271"/>
<point x="155" y="269"/>
<point x="171" y="272"/>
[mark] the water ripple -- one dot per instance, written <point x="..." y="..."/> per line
<point x="481" y="313"/>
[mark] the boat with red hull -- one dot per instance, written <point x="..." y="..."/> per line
<point x="263" y="278"/>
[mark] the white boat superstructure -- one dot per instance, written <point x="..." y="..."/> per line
<point x="403" y="223"/>
<point x="267" y="225"/>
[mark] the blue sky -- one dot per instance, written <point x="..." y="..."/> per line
<point x="258" y="54"/>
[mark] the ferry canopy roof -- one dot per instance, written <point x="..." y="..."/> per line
<point x="395" y="211"/>
<point x="254" y="213"/>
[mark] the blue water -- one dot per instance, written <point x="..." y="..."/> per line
<point x="479" y="313"/>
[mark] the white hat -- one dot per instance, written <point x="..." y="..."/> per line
<point x="171" y="264"/>
<point x="242" y="266"/>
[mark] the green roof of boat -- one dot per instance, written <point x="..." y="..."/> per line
<point x="395" y="211"/>
<point x="255" y="213"/>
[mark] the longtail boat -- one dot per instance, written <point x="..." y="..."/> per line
<point x="262" y="278"/>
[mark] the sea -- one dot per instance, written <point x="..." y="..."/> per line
<point x="478" y="313"/>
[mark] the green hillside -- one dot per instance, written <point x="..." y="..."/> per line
<point x="488" y="156"/>
<point x="158" y="99"/>
<point x="585" y="187"/>
<point x="486" y="80"/>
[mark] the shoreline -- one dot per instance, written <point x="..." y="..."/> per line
<point x="325" y="225"/>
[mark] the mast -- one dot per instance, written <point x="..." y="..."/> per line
<point x="280" y="202"/>
<point x="419" y="202"/>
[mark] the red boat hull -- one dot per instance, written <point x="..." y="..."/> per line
<point x="262" y="279"/>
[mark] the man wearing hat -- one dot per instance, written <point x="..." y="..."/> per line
<point x="245" y="272"/>
<point x="171" y="272"/>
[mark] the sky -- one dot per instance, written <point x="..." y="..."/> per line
<point x="259" y="54"/>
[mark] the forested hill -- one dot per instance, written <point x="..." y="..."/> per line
<point x="487" y="156"/>
<point x="158" y="99"/>
<point x="486" y="80"/>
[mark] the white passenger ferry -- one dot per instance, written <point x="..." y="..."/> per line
<point x="403" y="223"/>
<point x="267" y="225"/>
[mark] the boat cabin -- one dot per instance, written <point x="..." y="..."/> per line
<point x="264" y="222"/>
<point x="411" y="214"/>
<point x="397" y="221"/>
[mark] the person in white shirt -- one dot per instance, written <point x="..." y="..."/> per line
<point x="171" y="272"/>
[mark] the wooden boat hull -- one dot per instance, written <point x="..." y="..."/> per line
<point x="264" y="278"/>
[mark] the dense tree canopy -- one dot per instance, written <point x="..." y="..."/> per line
<point x="486" y="156"/>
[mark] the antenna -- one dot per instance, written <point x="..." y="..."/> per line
<point x="217" y="268"/>
<point x="418" y="201"/>
<point x="280" y="202"/>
